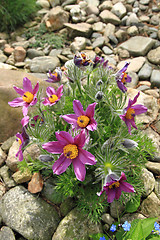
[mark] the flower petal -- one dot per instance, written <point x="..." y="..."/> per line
<point x="20" y="91"/>
<point x="17" y="102"/>
<point x="139" y="109"/>
<point x="121" y="86"/>
<point x="53" y="147"/>
<point x="80" y="139"/>
<point x="78" y="108"/>
<point x="133" y="123"/>
<point x="122" y="177"/>
<point x="27" y="86"/>
<point x="36" y="88"/>
<point x="90" y="110"/>
<point x="33" y="102"/>
<point x="50" y="91"/>
<point x="64" y="138"/>
<point x="126" y="187"/>
<point x="25" y="121"/>
<point x="79" y="169"/>
<point x="86" y="157"/>
<point x="25" y="110"/>
<point x="127" y="122"/>
<point x="46" y="102"/>
<point x="92" y="126"/>
<point x="61" y="164"/>
<point x="70" y="118"/>
<point x="111" y="195"/>
<point x="131" y="102"/>
<point x="59" y="91"/>
<point x="118" y="193"/>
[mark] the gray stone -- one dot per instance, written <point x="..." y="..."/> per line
<point x="6" y="176"/>
<point x="12" y="161"/>
<point x="154" y="56"/>
<point x="106" y="218"/>
<point x="155" y="78"/>
<point x="148" y="181"/>
<point x="138" y="45"/>
<point x="28" y="215"/>
<point x="93" y="2"/>
<point x="97" y="27"/>
<point x="132" y="19"/>
<point x="2" y="192"/>
<point x="43" y="4"/>
<point x="153" y="167"/>
<point x="79" y="44"/>
<point x="121" y="35"/>
<point x="135" y="64"/>
<point x="154" y="93"/>
<point x="76" y="226"/>
<point x="119" y="10"/>
<point x="132" y="31"/>
<point x="79" y="29"/>
<point x="130" y="217"/>
<point x="145" y="72"/>
<point x="32" y="53"/>
<point x="123" y="54"/>
<point x="22" y="177"/>
<point x="108" y="17"/>
<point x="98" y="42"/>
<point x="6" y="234"/>
<point x="44" y="64"/>
<point x="157" y="187"/>
<point x="144" y="2"/>
<point x="107" y="50"/>
<point x="106" y="5"/>
<point x="90" y="9"/>
<point x="155" y="20"/>
<point x="3" y="157"/>
<point x="116" y="209"/>
<point x="66" y="206"/>
<point x="55" y="52"/>
<point x="3" y="58"/>
<point x="143" y="88"/>
<point x="151" y="206"/>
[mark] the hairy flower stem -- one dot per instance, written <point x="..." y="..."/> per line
<point x="117" y="212"/>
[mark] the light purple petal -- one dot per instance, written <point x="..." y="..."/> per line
<point x="131" y="102"/>
<point x="133" y="123"/>
<point x="126" y="187"/>
<point x="20" y="91"/>
<point x="33" y="102"/>
<point x="111" y="195"/>
<point x="18" y="135"/>
<point x="86" y="157"/>
<point x="123" y="117"/>
<point x="70" y="118"/>
<point x="124" y="68"/>
<point x="53" y="147"/>
<point x="17" y="102"/>
<point x="139" y="109"/>
<point x="46" y="102"/>
<point x="79" y="169"/>
<point x="61" y="164"/>
<point x="129" y="79"/>
<point x="80" y="139"/>
<point x="78" y="108"/>
<point x="90" y="110"/>
<point x="36" y="88"/>
<point x="92" y="126"/>
<point x="25" y="110"/>
<point x="50" y="91"/>
<point x="27" y="86"/>
<point x="64" y="138"/>
<point x="20" y="156"/>
<point x="25" y="121"/>
<point x="59" y="91"/>
<point x="127" y="122"/>
<point x="122" y="177"/>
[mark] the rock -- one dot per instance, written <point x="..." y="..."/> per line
<point x="8" y="50"/>
<point x="145" y="72"/>
<point x="32" y="151"/>
<point x="44" y="64"/>
<point x="22" y="177"/>
<point x="134" y="82"/>
<point x="28" y="215"/>
<point x="12" y="161"/>
<point x="152" y="92"/>
<point x="154" y="136"/>
<point x="79" y="44"/>
<point x="6" y="234"/>
<point x="107" y="50"/>
<point x="138" y="45"/>
<point x="148" y="181"/>
<point x="43" y="4"/>
<point x="132" y="31"/>
<point x="98" y="42"/>
<point x="121" y="35"/>
<point x="108" y="17"/>
<point x="116" y="208"/>
<point x="55" y="52"/>
<point x="97" y="27"/>
<point x="19" y="54"/>
<point x="3" y="189"/>
<point x="132" y="19"/>
<point x="66" y="206"/>
<point x="55" y="18"/>
<point x="7" y="66"/>
<point x="6" y="176"/>
<point x="106" y="218"/>
<point x="32" y="53"/>
<point x="153" y="167"/>
<point x="119" y="10"/>
<point x="90" y="9"/>
<point x="8" y="143"/>
<point x="130" y="217"/>
<point x="154" y="56"/>
<point x="3" y="157"/>
<point x="3" y="57"/>
<point x="155" y="78"/>
<point x="36" y="183"/>
<point x="135" y="64"/>
<point x="79" y="30"/>
<point x="75" y="225"/>
<point x="150" y="207"/>
<point x="157" y="187"/>
<point x="106" y="5"/>
<point x="123" y="54"/>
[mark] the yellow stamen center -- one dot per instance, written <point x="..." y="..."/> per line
<point x="28" y="97"/>
<point x="19" y="141"/>
<point x="53" y="98"/>
<point x="83" y="121"/>
<point x="55" y="74"/>
<point x="114" y="185"/>
<point x="130" y="113"/>
<point x="124" y="78"/>
<point x="70" y="151"/>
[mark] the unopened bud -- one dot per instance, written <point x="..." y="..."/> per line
<point x="46" y="158"/>
<point x="128" y="143"/>
<point x="99" y="95"/>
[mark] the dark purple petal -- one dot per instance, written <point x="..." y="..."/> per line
<point x="122" y="177"/>
<point x="127" y="122"/>
<point x="36" y="88"/>
<point x="90" y="110"/>
<point x="131" y="102"/>
<point x="111" y="195"/>
<point x="80" y="139"/>
<point x="17" y="102"/>
<point x="20" y="91"/>
<point x="86" y="157"/>
<point x="78" y="108"/>
<point x="124" y="68"/>
<point x="129" y="79"/>
<point x="70" y="118"/>
<point x="139" y="109"/>
<point x="121" y="86"/>
<point x="64" y="138"/>
<point x="61" y="164"/>
<point x="126" y="187"/>
<point x="27" y="86"/>
<point x="118" y="193"/>
<point x="79" y="169"/>
<point x="133" y="123"/>
<point x="53" y="147"/>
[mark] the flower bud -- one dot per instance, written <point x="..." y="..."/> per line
<point x="128" y="143"/>
<point x="45" y="158"/>
<point x="100" y="82"/>
<point x="99" y="95"/>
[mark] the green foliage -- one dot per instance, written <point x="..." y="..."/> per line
<point x="97" y="236"/>
<point x="133" y="204"/>
<point x="14" y="13"/>
<point x="43" y="37"/>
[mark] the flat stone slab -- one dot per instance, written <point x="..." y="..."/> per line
<point x="138" y="45"/>
<point x="79" y="30"/>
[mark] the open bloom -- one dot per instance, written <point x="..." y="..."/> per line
<point x="122" y="77"/>
<point x="99" y="61"/>
<point x="126" y="226"/>
<point x="113" y="228"/>
<point x="115" y="187"/>
<point x="56" y="76"/>
<point x="28" y="96"/>
<point x="82" y="119"/>
<point x="81" y="60"/>
<point x="53" y="95"/>
<point x="131" y="111"/>
<point x="71" y="152"/>
<point x="23" y="140"/>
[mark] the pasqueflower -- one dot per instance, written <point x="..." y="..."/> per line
<point x="71" y="152"/>
<point x="131" y="111"/>
<point x="23" y="140"/>
<point x="99" y="61"/>
<point x="126" y="226"/>
<point x="122" y="77"/>
<point x="81" y="60"/>
<point x="115" y="187"/>
<point x="56" y="76"/>
<point x="28" y="96"/>
<point x="53" y="95"/>
<point x="82" y="119"/>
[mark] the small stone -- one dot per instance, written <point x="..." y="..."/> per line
<point x="79" y="44"/>
<point x="98" y="42"/>
<point x="36" y="183"/>
<point x="152" y="92"/>
<point x="119" y="10"/>
<point x="157" y="187"/>
<point x="8" y="143"/>
<point x="97" y="27"/>
<point x="132" y="19"/>
<point x="145" y="71"/>
<point x="116" y="208"/>
<point x="106" y="5"/>
<point x="107" y="50"/>
<point x="22" y="177"/>
<point x="123" y="54"/>
<point x="135" y="64"/>
<point x="134" y="82"/>
<point x="132" y="31"/>
<point x="154" y="56"/>
<point x="5" y="174"/>
<point x="130" y="217"/>
<point x="108" y="17"/>
<point x="6" y="233"/>
<point x="121" y="35"/>
<point x="153" y="167"/>
<point x="19" y="54"/>
<point x="3" y="157"/>
<point x="12" y="161"/>
<point x="148" y="181"/>
<point x="106" y="217"/>
<point x="155" y="78"/>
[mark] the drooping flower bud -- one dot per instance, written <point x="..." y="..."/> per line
<point x="128" y="143"/>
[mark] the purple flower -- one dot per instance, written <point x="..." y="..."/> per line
<point x="82" y="119"/>
<point x="126" y="226"/>
<point x="131" y="111"/>
<point x="115" y="187"/>
<point x="81" y="60"/>
<point x="23" y="140"/>
<point x="113" y="228"/>
<point x="99" y="61"/>
<point x="122" y="77"/>
<point x="37" y="118"/>
<point x="28" y="96"/>
<point x="71" y="152"/>
<point x="53" y="95"/>
<point x="56" y="76"/>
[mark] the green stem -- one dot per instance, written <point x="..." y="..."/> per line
<point x="117" y="212"/>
